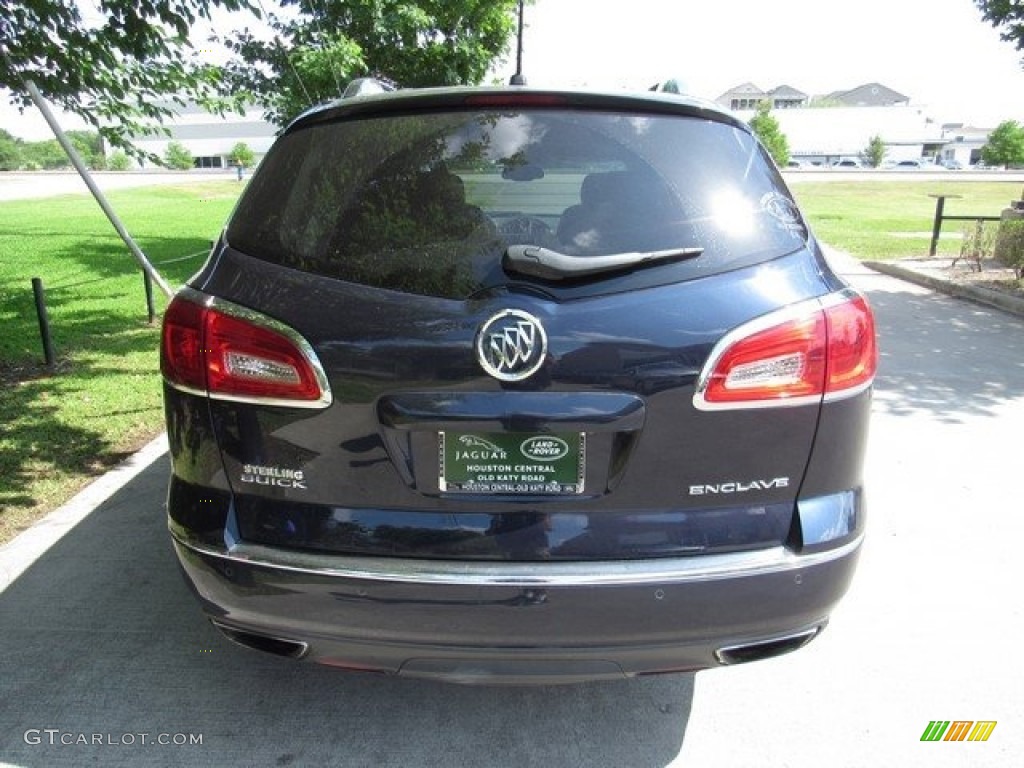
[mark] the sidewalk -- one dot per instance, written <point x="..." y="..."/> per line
<point x="939" y="274"/>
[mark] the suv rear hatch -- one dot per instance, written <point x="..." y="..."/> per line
<point x="531" y="329"/>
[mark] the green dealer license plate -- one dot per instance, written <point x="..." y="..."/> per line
<point x="512" y="462"/>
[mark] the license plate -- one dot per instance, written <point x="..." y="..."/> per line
<point x="512" y="462"/>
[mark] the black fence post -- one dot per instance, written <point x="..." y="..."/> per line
<point x="940" y="204"/>
<point x="44" y="320"/>
<point x="147" y="282"/>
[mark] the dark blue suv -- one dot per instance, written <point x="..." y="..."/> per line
<point x="517" y="385"/>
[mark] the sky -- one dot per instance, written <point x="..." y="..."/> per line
<point x="937" y="52"/>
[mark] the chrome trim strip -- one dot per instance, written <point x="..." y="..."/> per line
<point x="256" y="318"/>
<point x="843" y="394"/>
<point x="696" y="569"/>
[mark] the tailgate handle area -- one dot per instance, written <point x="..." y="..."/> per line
<point x="513" y="411"/>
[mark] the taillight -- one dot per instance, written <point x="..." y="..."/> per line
<point x="225" y="351"/>
<point x="852" y="347"/>
<point x="821" y="348"/>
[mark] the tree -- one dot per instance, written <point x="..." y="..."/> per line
<point x="11" y="156"/>
<point x="874" y="152"/>
<point x="1007" y="16"/>
<point x="767" y="129"/>
<point x="241" y="155"/>
<point x="321" y="46"/>
<point x="47" y="155"/>
<point x="1005" y="145"/>
<point x="112" y="73"/>
<point x="118" y="161"/>
<point x="178" y="157"/>
<point x="89" y="145"/>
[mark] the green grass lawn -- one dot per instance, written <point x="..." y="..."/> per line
<point x="893" y="219"/>
<point x="60" y="428"/>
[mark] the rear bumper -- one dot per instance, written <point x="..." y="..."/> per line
<point x="519" y="622"/>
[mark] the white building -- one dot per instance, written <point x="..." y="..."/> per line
<point x="210" y="138"/>
<point x="819" y="135"/>
<point x="827" y="134"/>
<point x="963" y="143"/>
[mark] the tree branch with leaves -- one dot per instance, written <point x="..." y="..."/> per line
<point x="1007" y="16"/>
<point x="320" y="46"/>
<point x="121" y="73"/>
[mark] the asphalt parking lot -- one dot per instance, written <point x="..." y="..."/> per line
<point x="103" y="643"/>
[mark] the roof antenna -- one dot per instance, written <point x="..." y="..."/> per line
<point x="517" y="78"/>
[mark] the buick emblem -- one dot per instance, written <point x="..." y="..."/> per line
<point x="511" y="346"/>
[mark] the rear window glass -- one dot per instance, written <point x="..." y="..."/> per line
<point x="428" y="203"/>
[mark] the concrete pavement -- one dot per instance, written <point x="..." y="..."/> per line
<point x="103" y="653"/>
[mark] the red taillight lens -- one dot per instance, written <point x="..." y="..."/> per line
<point x="181" y="348"/>
<point x="781" y="362"/>
<point x="238" y="355"/>
<point x="824" y="348"/>
<point x="246" y="359"/>
<point x="852" y="349"/>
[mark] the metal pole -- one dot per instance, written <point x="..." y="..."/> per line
<point x="517" y="78"/>
<point x="72" y="154"/>
<point x="147" y="284"/>
<point x="44" y="320"/>
<point x="940" y="203"/>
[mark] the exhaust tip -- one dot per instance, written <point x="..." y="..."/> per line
<point x="278" y="646"/>
<point x="766" y="649"/>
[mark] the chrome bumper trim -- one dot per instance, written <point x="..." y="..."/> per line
<point x="699" y="568"/>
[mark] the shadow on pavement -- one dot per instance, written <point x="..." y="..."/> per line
<point x="941" y="355"/>
<point x="102" y="641"/>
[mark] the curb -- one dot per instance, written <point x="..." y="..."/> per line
<point x="1002" y="301"/>
<point x="17" y="555"/>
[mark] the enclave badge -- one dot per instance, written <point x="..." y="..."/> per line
<point x="511" y="345"/>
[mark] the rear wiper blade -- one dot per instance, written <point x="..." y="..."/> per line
<point x="538" y="261"/>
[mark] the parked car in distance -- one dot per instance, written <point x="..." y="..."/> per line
<point x="915" y="164"/>
<point x="513" y="385"/>
<point x="847" y="162"/>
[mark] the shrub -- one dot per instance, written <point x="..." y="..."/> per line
<point x="1009" y="248"/>
<point x="178" y="157"/>
<point x="242" y="155"/>
<point x="977" y="243"/>
<point x="874" y="152"/>
<point x="118" y="161"/>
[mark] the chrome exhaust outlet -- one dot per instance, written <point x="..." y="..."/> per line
<point x="279" y="646"/>
<point x="766" y="649"/>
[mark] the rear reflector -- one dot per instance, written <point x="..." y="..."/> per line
<point x="219" y="349"/>
<point x="796" y="356"/>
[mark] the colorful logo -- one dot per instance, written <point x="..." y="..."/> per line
<point x="958" y="730"/>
